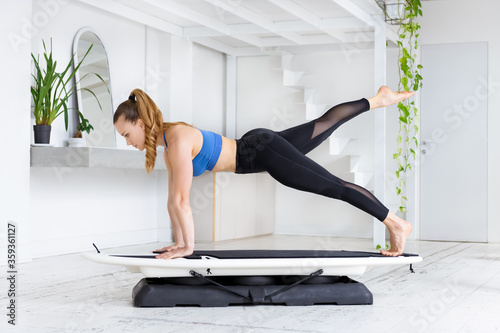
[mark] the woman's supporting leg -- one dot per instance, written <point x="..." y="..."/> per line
<point x="292" y="168"/>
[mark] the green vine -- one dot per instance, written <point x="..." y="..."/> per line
<point x="409" y="79"/>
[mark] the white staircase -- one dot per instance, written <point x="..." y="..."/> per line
<point x="339" y="146"/>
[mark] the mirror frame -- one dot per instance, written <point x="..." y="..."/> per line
<point x="79" y="101"/>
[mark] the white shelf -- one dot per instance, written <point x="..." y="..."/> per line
<point x="91" y="157"/>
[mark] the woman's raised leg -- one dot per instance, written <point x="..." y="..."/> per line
<point x="308" y="136"/>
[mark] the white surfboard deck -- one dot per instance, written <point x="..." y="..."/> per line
<point x="212" y="266"/>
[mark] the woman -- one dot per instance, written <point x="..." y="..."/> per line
<point x="190" y="151"/>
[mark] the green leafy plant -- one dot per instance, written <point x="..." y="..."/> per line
<point x="409" y="79"/>
<point x="51" y="92"/>
<point x="387" y="247"/>
<point x="84" y="126"/>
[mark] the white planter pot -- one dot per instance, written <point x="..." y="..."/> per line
<point x="77" y="142"/>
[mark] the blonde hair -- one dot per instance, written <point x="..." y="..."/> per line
<point x="141" y="106"/>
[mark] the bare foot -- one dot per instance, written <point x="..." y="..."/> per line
<point x="176" y="253"/>
<point x="169" y="248"/>
<point x="399" y="230"/>
<point x="386" y="97"/>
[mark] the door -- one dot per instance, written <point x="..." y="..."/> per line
<point x="454" y="102"/>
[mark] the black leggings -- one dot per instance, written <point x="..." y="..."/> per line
<point x="282" y="155"/>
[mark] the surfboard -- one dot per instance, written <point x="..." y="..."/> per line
<point x="254" y="262"/>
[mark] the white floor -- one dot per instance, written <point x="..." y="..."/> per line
<point x="455" y="289"/>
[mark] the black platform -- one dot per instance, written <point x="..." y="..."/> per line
<point x="248" y="290"/>
<point x="218" y="291"/>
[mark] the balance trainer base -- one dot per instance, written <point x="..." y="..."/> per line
<point x="249" y="290"/>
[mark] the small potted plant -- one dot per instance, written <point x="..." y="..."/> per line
<point x="78" y="140"/>
<point x="51" y="93"/>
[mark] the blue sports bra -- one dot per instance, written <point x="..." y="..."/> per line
<point x="209" y="153"/>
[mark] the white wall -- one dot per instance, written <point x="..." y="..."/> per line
<point x="71" y="208"/>
<point x="444" y="22"/>
<point x="15" y="128"/>
<point x="208" y="98"/>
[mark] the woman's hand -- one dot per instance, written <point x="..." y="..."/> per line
<point x="169" y="248"/>
<point x="176" y="253"/>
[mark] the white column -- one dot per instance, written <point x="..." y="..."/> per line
<point x="230" y="96"/>
<point x="380" y="128"/>
<point x="16" y="126"/>
<point x="157" y="68"/>
<point x="181" y="80"/>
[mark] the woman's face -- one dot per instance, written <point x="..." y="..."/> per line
<point x="135" y="134"/>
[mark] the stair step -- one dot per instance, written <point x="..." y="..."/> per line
<point x="291" y="78"/>
<point x="338" y="164"/>
<point x="363" y="179"/>
<point x="308" y="94"/>
<point x="314" y="111"/>
<point x="286" y="61"/>
<point x="337" y="145"/>
<point x="354" y="163"/>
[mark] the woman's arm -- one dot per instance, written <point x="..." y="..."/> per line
<point x="176" y="228"/>
<point x="179" y="157"/>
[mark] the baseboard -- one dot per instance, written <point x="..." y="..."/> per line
<point x="67" y="245"/>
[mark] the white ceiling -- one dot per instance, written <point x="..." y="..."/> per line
<point x="248" y="27"/>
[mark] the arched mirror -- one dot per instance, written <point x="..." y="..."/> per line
<point x="96" y="62"/>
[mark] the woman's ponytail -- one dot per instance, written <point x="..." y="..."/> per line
<point x="153" y="120"/>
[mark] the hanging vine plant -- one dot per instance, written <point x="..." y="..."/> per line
<point x="404" y="13"/>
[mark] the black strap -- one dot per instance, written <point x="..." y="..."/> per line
<point x="319" y="272"/>
<point x="198" y="275"/>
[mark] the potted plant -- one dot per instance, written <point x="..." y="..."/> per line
<point x="51" y="93"/>
<point x="78" y="140"/>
